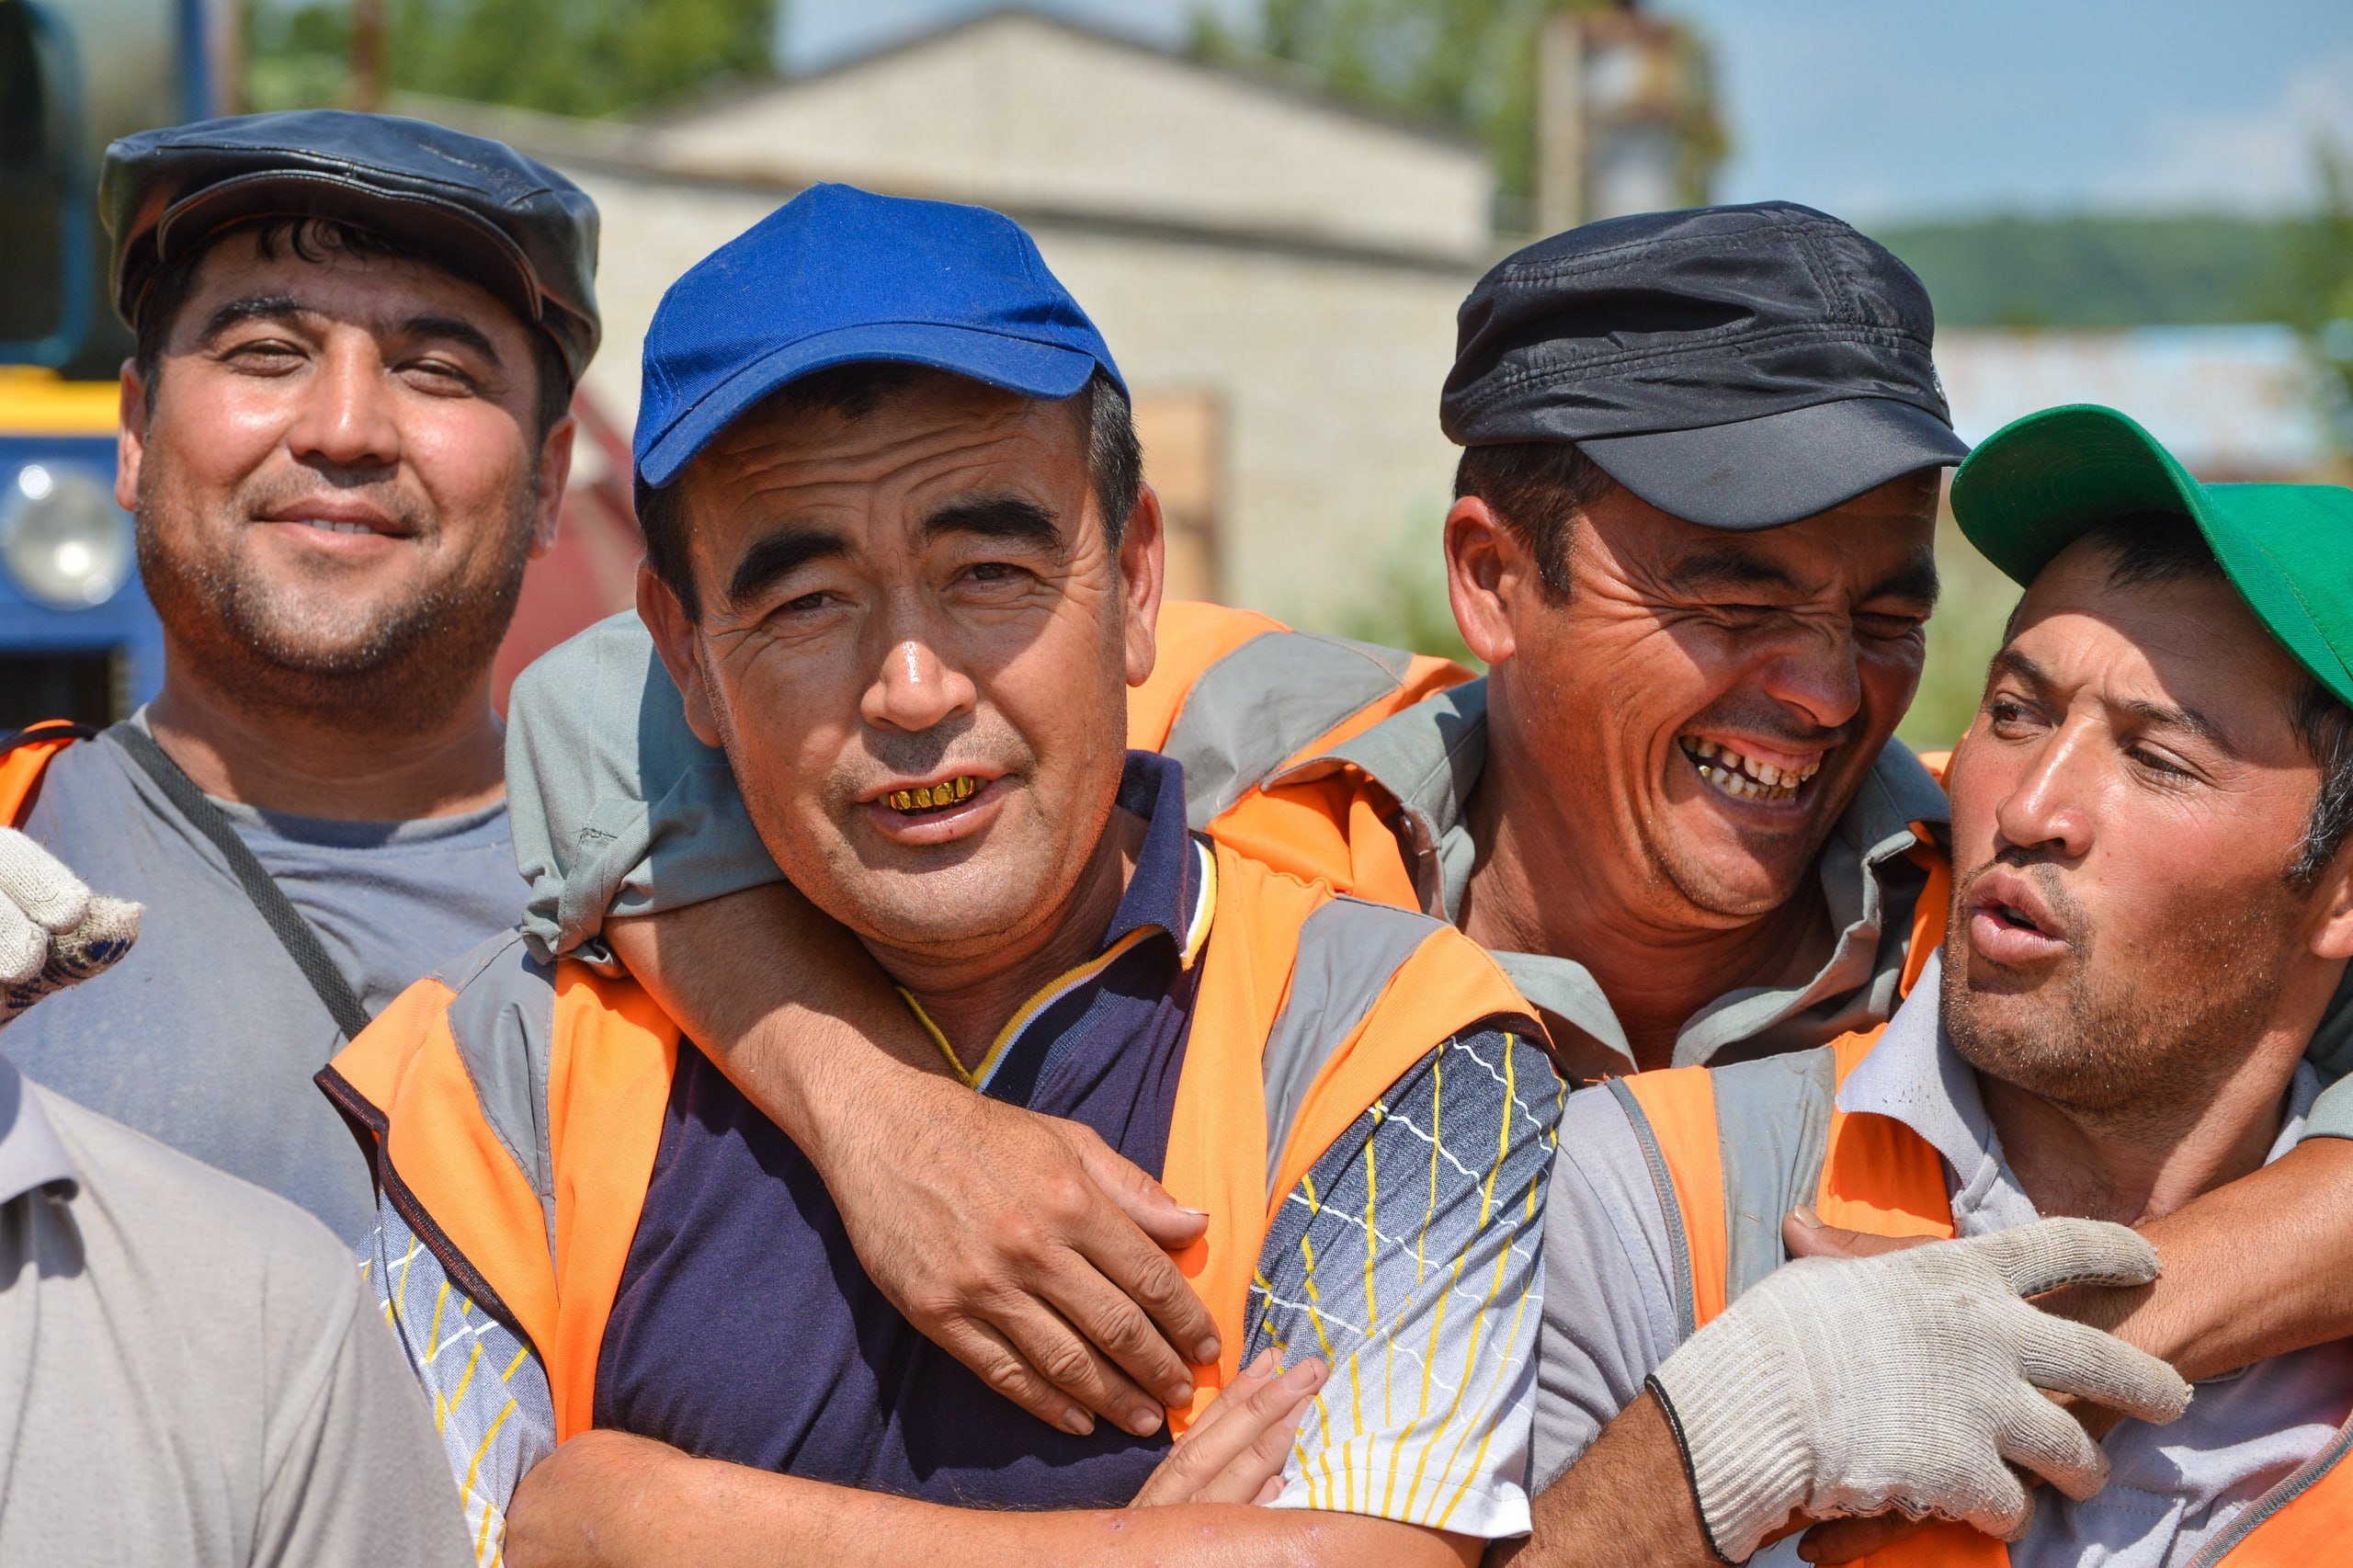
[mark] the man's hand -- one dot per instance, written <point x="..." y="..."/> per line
<point x="1025" y="1248"/>
<point x="1234" y="1453"/>
<point x="53" y="931"/>
<point x="1912" y="1382"/>
<point x="1019" y="1243"/>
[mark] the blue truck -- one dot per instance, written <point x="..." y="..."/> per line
<point x="77" y="637"/>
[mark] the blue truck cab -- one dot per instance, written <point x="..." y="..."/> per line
<point x="77" y="637"/>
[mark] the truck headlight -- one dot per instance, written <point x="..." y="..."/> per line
<point x="63" y="538"/>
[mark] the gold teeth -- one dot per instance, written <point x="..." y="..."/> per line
<point x="945" y="793"/>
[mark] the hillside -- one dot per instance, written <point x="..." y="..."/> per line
<point x="2105" y="271"/>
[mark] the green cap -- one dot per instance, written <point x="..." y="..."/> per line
<point x="2036" y="485"/>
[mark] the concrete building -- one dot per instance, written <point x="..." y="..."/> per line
<point x="1278" y="274"/>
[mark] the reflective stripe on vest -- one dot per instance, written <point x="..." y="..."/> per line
<point x="25" y="759"/>
<point x="1235" y="697"/>
<point x="515" y="1118"/>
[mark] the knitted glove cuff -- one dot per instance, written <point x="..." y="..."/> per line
<point x="1742" y="1426"/>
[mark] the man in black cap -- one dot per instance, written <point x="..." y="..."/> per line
<point x="344" y="432"/>
<point x="1691" y="539"/>
<point x="1693" y="542"/>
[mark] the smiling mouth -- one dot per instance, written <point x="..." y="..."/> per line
<point x="936" y="797"/>
<point x="1744" y="777"/>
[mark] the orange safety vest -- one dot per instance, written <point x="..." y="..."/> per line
<point x="529" y="1196"/>
<point x="25" y="757"/>
<point x="1240" y="700"/>
<point x="1727" y="1186"/>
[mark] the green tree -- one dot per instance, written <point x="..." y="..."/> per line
<point x="2321" y="303"/>
<point x="575" y="57"/>
<point x="1469" y="62"/>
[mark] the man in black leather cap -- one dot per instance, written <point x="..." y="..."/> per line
<point x="345" y="431"/>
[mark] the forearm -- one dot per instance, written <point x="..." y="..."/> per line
<point x="2253" y="1269"/>
<point x="784" y="1000"/>
<point x="1627" y="1501"/>
<point x="607" y="1500"/>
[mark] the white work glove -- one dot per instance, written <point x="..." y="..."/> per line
<point x="53" y="931"/>
<point x="1908" y="1381"/>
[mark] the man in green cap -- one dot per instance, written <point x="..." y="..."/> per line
<point x="2152" y="909"/>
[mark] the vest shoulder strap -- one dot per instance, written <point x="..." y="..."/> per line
<point x="1734" y="1149"/>
<point x="1256" y="695"/>
<point x="515" y="1113"/>
<point x="25" y="757"/>
<point x="1310" y="1007"/>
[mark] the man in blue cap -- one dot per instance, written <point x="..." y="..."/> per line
<point x="344" y="431"/>
<point x="901" y="558"/>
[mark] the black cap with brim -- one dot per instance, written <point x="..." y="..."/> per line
<point x="1777" y="468"/>
<point x="493" y="216"/>
<point x="1737" y="367"/>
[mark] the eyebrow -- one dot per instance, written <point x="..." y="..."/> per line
<point x="286" y="307"/>
<point x="2009" y="661"/>
<point x="453" y="329"/>
<point x="777" y="556"/>
<point x="996" y="516"/>
<point x="1915" y="579"/>
<point x="254" y="307"/>
<point x="1726" y="565"/>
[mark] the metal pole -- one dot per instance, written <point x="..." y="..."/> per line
<point x="368" y="54"/>
<point x="1560" y="125"/>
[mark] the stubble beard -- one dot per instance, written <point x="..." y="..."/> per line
<point x="405" y="663"/>
<point x="2138" y="1055"/>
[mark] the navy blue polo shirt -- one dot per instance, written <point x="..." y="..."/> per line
<point x="746" y="1330"/>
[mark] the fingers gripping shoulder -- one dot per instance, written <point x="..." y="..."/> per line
<point x="1908" y="1380"/>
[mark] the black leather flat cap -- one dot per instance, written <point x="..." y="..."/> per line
<point x="1738" y="367"/>
<point x="493" y="216"/>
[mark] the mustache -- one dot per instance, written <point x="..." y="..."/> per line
<point x="2038" y="870"/>
<point x="966" y="736"/>
<point x="267" y="492"/>
<point x="1769" y="721"/>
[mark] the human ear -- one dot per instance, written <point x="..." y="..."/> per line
<point x="1142" y="575"/>
<point x="554" y="473"/>
<point x="129" y="435"/>
<point x="2332" y="937"/>
<point x="1486" y="568"/>
<point x="673" y="638"/>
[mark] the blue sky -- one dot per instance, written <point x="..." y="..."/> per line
<point x="1881" y="108"/>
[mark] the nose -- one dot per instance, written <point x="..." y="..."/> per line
<point x="2047" y="806"/>
<point x="916" y="685"/>
<point x="1818" y="673"/>
<point x="346" y="421"/>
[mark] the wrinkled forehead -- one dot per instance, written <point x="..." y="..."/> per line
<point x="2187" y="642"/>
<point x="289" y="268"/>
<point x="872" y="468"/>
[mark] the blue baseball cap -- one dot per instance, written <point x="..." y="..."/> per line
<point x="837" y="275"/>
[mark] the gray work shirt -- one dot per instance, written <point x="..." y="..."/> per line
<point x="191" y="1370"/>
<point x="1610" y="1315"/>
<point x="617" y="808"/>
<point x="206" y="1034"/>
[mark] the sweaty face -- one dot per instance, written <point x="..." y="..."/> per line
<point x="916" y="644"/>
<point x="341" y="478"/>
<point x="2123" y="808"/>
<point x="1716" y="699"/>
